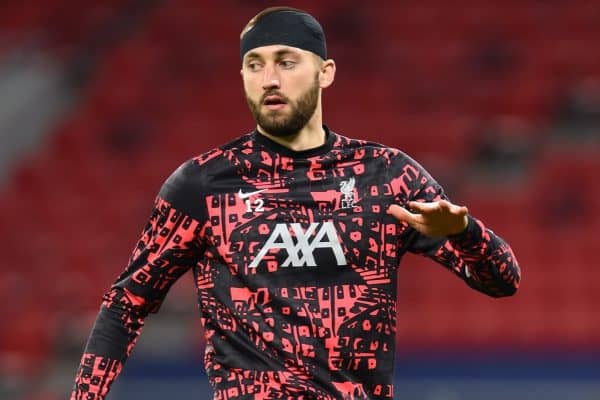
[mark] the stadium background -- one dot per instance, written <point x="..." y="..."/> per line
<point x="500" y="100"/>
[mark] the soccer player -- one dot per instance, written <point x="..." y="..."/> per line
<point x="294" y="234"/>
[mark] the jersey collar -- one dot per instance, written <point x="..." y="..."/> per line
<point x="280" y="149"/>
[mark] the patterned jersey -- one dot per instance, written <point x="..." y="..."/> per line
<point x="295" y="260"/>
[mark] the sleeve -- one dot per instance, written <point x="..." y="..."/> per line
<point x="477" y="255"/>
<point x="170" y="244"/>
<point x="480" y="257"/>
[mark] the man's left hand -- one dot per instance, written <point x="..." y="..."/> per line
<point x="438" y="218"/>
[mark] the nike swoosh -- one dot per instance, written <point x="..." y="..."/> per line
<point x="243" y="195"/>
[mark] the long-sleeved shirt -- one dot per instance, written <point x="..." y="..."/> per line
<point x="295" y="259"/>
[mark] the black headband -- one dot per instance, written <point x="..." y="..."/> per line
<point x="289" y="28"/>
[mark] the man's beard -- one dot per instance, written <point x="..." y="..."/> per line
<point x="277" y="124"/>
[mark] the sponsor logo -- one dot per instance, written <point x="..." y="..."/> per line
<point x="300" y="251"/>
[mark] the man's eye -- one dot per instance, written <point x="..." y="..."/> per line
<point x="287" y="64"/>
<point x="253" y="66"/>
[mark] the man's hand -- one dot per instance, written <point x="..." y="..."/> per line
<point x="438" y="218"/>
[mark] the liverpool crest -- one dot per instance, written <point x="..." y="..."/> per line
<point x="347" y="189"/>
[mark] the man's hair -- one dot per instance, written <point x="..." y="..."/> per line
<point x="264" y="12"/>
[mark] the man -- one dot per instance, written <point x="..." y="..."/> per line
<point x="294" y="234"/>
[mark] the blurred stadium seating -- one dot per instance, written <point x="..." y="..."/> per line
<point x="157" y="82"/>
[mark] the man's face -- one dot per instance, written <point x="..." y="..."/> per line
<point x="282" y="87"/>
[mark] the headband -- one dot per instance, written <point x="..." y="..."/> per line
<point x="289" y="28"/>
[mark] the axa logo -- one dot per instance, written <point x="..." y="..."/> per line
<point x="301" y="250"/>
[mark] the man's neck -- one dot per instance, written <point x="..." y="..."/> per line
<point x="310" y="137"/>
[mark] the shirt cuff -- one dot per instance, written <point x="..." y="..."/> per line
<point x="472" y="235"/>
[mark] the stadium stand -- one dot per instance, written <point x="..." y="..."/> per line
<point x="69" y="215"/>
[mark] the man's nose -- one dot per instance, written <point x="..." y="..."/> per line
<point x="270" y="79"/>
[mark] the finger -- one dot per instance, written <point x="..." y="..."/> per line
<point x="401" y="213"/>
<point x="453" y="208"/>
<point x="445" y="205"/>
<point x="424" y="207"/>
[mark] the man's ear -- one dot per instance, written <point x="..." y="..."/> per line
<point x="327" y="75"/>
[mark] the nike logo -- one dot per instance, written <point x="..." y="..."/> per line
<point x="243" y="195"/>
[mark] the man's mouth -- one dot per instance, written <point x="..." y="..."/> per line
<point x="274" y="102"/>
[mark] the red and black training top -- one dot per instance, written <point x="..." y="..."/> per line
<point x="295" y="260"/>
